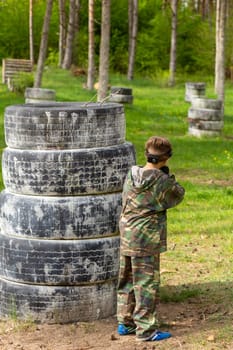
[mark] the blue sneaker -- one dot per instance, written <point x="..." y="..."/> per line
<point x="158" y="335"/>
<point x="126" y="330"/>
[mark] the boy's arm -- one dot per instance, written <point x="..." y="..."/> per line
<point x="170" y="192"/>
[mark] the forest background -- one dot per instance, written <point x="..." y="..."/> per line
<point x="195" y="50"/>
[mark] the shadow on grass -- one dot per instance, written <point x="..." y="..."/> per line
<point x="198" y="308"/>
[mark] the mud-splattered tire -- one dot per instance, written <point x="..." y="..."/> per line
<point x="57" y="304"/>
<point x="121" y="95"/>
<point x="64" y="125"/>
<point x="121" y="90"/>
<point x="207" y="125"/>
<point x="121" y="98"/>
<point x="194" y="90"/>
<point x="38" y="94"/>
<point x="74" y="217"/>
<point x="205" y="114"/>
<point x="59" y="262"/>
<point x="67" y="172"/>
<point x="199" y="132"/>
<point x="206" y="103"/>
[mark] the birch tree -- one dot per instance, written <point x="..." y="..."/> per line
<point x="43" y="44"/>
<point x="221" y="9"/>
<point x="104" y="50"/>
<point x="172" y="65"/>
<point x="71" y="31"/>
<point x="31" y="38"/>
<point x="204" y="7"/>
<point x="91" y="46"/>
<point x="133" y="29"/>
<point x="62" y="31"/>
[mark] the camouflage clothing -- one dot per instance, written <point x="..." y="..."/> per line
<point x="143" y="223"/>
<point x="147" y="194"/>
<point x="138" y="292"/>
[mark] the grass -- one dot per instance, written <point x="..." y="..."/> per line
<point x="199" y="261"/>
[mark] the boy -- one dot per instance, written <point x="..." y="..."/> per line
<point x="148" y="191"/>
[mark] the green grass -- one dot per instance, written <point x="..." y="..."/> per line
<point x="199" y="261"/>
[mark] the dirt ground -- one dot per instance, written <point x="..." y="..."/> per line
<point x="192" y="325"/>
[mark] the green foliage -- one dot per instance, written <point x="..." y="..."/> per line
<point x="53" y="58"/>
<point x="119" y="36"/>
<point x="195" y="41"/>
<point x="21" y="81"/>
<point x="119" y="56"/>
<point x="153" y="46"/>
<point x="14" y="34"/>
<point x="80" y="57"/>
<point x="195" y="44"/>
<point x="14" y="29"/>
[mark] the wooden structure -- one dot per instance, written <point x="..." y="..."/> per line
<point x="12" y="66"/>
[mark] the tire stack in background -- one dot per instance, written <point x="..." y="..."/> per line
<point x="205" y="117"/>
<point x="194" y="90"/>
<point x="121" y="95"/>
<point x="63" y="172"/>
<point x="38" y="95"/>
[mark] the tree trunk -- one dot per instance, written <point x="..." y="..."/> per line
<point x="31" y="38"/>
<point x="221" y="7"/>
<point x="76" y="19"/>
<point x="91" y="46"/>
<point x="206" y="8"/>
<point x="172" y="66"/>
<point x="74" y="5"/>
<point x="43" y="44"/>
<point x="133" y="29"/>
<point x="130" y="19"/>
<point x="104" y="50"/>
<point x="62" y="31"/>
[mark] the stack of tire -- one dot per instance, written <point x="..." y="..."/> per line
<point x="38" y="95"/>
<point x="121" y="95"/>
<point x="205" y="117"/>
<point x="63" y="172"/>
<point x="194" y="90"/>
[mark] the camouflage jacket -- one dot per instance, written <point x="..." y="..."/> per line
<point x="147" y="194"/>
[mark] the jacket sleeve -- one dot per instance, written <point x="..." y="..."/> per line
<point x="169" y="192"/>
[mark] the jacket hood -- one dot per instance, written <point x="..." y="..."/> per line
<point x="143" y="178"/>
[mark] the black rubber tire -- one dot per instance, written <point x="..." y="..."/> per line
<point x="205" y="114"/>
<point x="68" y="172"/>
<point x="58" y="262"/>
<point x="121" y="90"/>
<point x="194" y="131"/>
<point x="75" y="217"/>
<point x="207" y="125"/>
<point x="40" y="94"/>
<point x="194" y="90"/>
<point x="59" y="304"/>
<point x="64" y="125"/>
<point x="121" y="98"/>
<point x="206" y="103"/>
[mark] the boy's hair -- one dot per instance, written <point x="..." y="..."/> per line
<point x="161" y="146"/>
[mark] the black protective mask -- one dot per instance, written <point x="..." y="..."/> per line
<point x="154" y="158"/>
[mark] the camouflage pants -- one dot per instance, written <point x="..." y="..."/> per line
<point x="138" y="292"/>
